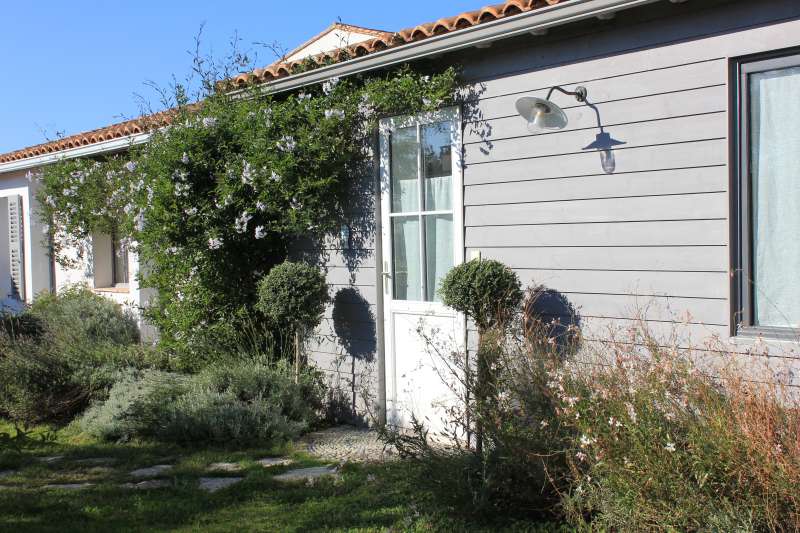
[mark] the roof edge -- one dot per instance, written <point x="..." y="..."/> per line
<point x="528" y="22"/>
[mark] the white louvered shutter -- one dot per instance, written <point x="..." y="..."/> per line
<point x="16" y="247"/>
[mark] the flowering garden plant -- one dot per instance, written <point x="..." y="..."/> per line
<point x="213" y="201"/>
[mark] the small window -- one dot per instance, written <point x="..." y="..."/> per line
<point x="109" y="262"/>
<point x="120" y="263"/>
<point x="767" y="196"/>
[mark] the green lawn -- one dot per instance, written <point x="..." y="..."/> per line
<point x="363" y="498"/>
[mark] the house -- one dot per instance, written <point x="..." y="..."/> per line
<point x="673" y="190"/>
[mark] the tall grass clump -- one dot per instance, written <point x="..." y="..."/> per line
<point x="669" y="438"/>
<point x="638" y="431"/>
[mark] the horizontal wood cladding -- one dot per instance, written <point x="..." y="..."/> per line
<point x="669" y="156"/>
<point x="701" y="206"/>
<point x="612" y="258"/>
<point x="657" y="92"/>
<point x="666" y="105"/>
<point x="652" y="183"/>
<point x="680" y="130"/>
<point x="602" y="234"/>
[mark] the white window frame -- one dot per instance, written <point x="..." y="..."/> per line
<point x="387" y="126"/>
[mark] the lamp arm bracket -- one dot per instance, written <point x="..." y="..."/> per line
<point x="579" y="93"/>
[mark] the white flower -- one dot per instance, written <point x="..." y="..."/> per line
<point x="182" y="189"/>
<point x="261" y="232"/>
<point x="670" y="447"/>
<point x="173" y="250"/>
<point x="338" y="113"/>
<point x="185" y="158"/>
<point x="581" y="456"/>
<point x="128" y="209"/>
<point x="209" y="122"/>
<point x="587" y="441"/>
<point x="365" y="106"/>
<point x="426" y="78"/>
<point x="426" y="102"/>
<point x="247" y="174"/>
<point x="191" y="211"/>
<point x="131" y="166"/>
<point x="329" y="85"/>
<point x="287" y="143"/>
<point x="275" y="177"/>
<point x="543" y="424"/>
<point x="303" y="96"/>
<point x="214" y="243"/>
<point x="261" y="206"/>
<point x="295" y="203"/>
<point x="631" y="412"/>
<point x="50" y="201"/>
<point x="241" y="222"/>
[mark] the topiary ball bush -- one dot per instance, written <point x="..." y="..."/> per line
<point x="487" y="291"/>
<point x="293" y="295"/>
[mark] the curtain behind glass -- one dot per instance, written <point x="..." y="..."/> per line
<point x="775" y="169"/>
<point x="405" y="174"/>
<point x="438" y="252"/>
<point x="406" y="258"/>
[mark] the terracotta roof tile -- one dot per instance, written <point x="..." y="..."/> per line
<point x="382" y="41"/>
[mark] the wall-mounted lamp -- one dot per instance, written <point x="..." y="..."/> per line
<point x="543" y="114"/>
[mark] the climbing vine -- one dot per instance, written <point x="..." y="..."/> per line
<point x="216" y="199"/>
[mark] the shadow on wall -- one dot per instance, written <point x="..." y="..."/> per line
<point x="549" y="313"/>
<point x="355" y="329"/>
<point x="604" y="144"/>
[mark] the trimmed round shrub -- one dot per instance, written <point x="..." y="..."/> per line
<point x="487" y="291"/>
<point x="293" y="295"/>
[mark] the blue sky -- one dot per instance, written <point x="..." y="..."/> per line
<point x="72" y="66"/>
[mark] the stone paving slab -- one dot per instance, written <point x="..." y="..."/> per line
<point x="68" y="486"/>
<point x="50" y="460"/>
<point x="268" y="462"/>
<point x="213" y="484"/>
<point x="95" y="461"/>
<point x="147" y="485"/>
<point x="306" y="474"/>
<point x="151" y="471"/>
<point x="225" y="467"/>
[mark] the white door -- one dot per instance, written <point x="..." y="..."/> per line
<point x="422" y="231"/>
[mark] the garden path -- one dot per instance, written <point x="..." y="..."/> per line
<point x="346" y="444"/>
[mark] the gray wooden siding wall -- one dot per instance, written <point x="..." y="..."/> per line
<point x="653" y="237"/>
<point x="344" y="346"/>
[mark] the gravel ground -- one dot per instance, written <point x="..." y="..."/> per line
<point x="347" y="444"/>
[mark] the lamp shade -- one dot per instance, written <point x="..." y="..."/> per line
<point x="541" y="114"/>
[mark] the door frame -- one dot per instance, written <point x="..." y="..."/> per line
<point x="385" y="265"/>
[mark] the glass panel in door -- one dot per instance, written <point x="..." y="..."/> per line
<point x="406" y="258"/>
<point x="404" y="170"/>
<point x="437" y="166"/>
